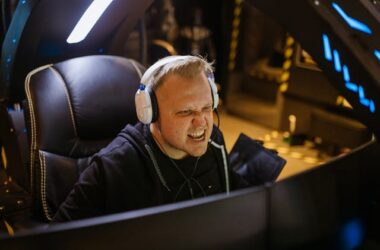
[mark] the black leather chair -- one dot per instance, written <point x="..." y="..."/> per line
<point x="74" y="108"/>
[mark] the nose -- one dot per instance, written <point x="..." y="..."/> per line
<point x="199" y="119"/>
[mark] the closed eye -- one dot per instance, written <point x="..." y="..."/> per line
<point x="189" y="112"/>
<point x="185" y="112"/>
<point x="207" y="109"/>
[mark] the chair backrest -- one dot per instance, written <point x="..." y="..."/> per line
<point x="74" y="108"/>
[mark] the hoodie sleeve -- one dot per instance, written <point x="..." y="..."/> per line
<point x="87" y="197"/>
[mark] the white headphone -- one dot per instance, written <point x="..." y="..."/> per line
<point x="145" y="99"/>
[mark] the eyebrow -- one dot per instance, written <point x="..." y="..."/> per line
<point x="192" y="108"/>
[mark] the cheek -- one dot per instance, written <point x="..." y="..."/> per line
<point x="174" y="128"/>
<point x="182" y="128"/>
<point x="210" y="119"/>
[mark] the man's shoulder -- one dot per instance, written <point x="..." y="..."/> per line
<point x="118" y="145"/>
<point x="126" y="143"/>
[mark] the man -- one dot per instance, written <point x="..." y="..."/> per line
<point x="174" y="153"/>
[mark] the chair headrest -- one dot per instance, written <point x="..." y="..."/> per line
<point x="83" y="100"/>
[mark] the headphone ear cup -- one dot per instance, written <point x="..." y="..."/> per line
<point x="214" y="92"/>
<point x="146" y="105"/>
<point x="143" y="104"/>
<point x="154" y="104"/>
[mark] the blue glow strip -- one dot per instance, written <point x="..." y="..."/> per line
<point x="346" y="73"/>
<point x="361" y="92"/>
<point x="88" y="20"/>
<point x="327" y="47"/>
<point x="338" y="66"/>
<point x="353" y="23"/>
<point x="372" y="107"/>
<point x="377" y="54"/>
<point x="352" y="86"/>
<point x="365" y="102"/>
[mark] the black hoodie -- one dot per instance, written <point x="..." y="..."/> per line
<point x="132" y="173"/>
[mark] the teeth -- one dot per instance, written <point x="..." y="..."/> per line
<point x="197" y="134"/>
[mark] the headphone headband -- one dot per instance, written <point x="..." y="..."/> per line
<point x="162" y="62"/>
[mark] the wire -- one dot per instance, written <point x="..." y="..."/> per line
<point x="217" y="124"/>
<point x="217" y="115"/>
<point x="143" y="41"/>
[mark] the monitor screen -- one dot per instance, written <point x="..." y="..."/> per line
<point x="238" y="220"/>
<point x="331" y="207"/>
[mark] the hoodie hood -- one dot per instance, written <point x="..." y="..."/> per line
<point x="135" y="135"/>
<point x="138" y="136"/>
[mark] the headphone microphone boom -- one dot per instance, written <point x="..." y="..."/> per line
<point x="145" y="98"/>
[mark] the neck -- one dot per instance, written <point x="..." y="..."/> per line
<point x="164" y="147"/>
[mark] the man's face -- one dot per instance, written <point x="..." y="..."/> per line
<point x="185" y="115"/>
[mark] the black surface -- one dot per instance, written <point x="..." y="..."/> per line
<point x="216" y="222"/>
<point x="331" y="207"/>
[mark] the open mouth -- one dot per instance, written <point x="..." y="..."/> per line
<point x="197" y="136"/>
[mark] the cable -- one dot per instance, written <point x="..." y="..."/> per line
<point x="217" y="125"/>
<point x="187" y="179"/>
<point x="217" y="115"/>
<point x="143" y="41"/>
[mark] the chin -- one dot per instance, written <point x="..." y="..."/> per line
<point x="198" y="153"/>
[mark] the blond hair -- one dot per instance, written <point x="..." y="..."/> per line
<point x="185" y="66"/>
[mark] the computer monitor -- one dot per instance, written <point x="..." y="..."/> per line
<point x="334" y="206"/>
<point x="238" y="220"/>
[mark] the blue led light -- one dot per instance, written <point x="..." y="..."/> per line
<point x="338" y="66"/>
<point x="377" y="54"/>
<point x="353" y="23"/>
<point x="346" y="73"/>
<point x="372" y="107"/>
<point x="352" y="86"/>
<point x="363" y="99"/>
<point x="365" y="102"/>
<point x="361" y="92"/>
<point x="356" y="88"/>
<point x="327" y="47"/>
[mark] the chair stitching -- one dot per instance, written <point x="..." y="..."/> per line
<point x="33" y="122"/>
<point x="43" y="186"/>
